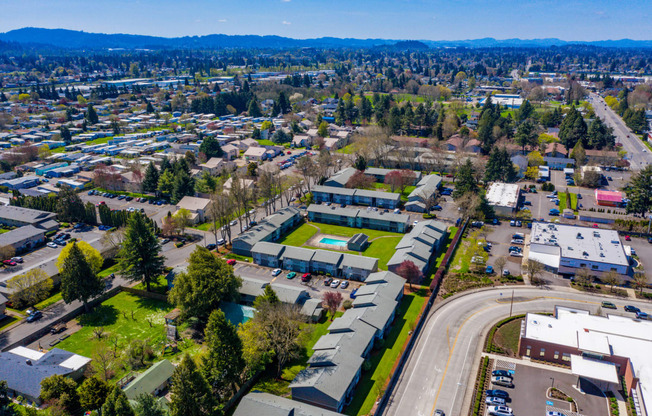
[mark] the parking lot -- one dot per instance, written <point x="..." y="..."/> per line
<point x="315" y="287"/>
<point x="500" y="237"/>
<point x="530" y="394"/>
<point x="153" y="211"/>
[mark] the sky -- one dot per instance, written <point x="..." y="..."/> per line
<point x="573" y="20"/>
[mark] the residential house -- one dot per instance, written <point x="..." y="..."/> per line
<point x="358" y="268"/>
<point x="230" y="152"/>
<point x="297" y="259"/>
<point x="325" y="262"/>
<point x="359" y="218"/>
<point x="267" y="254"/>
<point x="259" y="403"/>
<point x="24" y="369"/>
<point x="558" y="163"/>
<point x="255" y="154"/>
<point x="420" y="245"/>
<point x="198" y="207"/>
<point x="458" y="143"/>
<point x="424" y="194"/>
<point x="302" y="140"/>
<point x="555" y="150"/>
<point x="216" y="165"/>
<point x="155" y="380"/>
<point x="356" y="196"/>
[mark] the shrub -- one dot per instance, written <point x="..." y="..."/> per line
<point x="347" y="304"/>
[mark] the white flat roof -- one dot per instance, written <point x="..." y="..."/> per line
<point x="75" y="362"/>
<point x="27" y="353"/>
<point x="503" y="194"/>
<point x="597" y="370"/>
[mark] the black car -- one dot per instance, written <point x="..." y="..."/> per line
<point x="630" y="308"/>
<point x="328" y="281"/>
<point x="211" y="247"/>
<point x="502" y="373"/>
<point x="497" y="393"/>
<point x="34" y="316"/>
<point x="649" y="240"/>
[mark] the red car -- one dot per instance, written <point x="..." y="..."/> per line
<point x="628" y="238"/>
<point x="230" y="262"/>
<point x="289" y="153"/>
<point x="9" y="262"/>
<point x="306" y="277"/>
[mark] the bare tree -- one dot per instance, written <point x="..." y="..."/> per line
<point x="306" y="166"/>
<point x="612" y="279"/>
<point x="583" y="277"/>
<point x="103" y="361"/>
<point x="290" y="187"/>
<point x="534" y="269"/>
<point x="500" y="263"/>
<point x="639" y="282"/>
<point x="220" y="214"/>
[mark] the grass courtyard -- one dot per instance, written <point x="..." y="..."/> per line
<point x="382" y="243"/>
<point x="114" y="317"/>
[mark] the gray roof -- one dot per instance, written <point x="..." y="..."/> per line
<point x="25" y="215"/>
<point x="341" y="177"/>
<point x="386" y="284"/>
<point x="298" y="253"/>
<point x="333" y="190"/>
<point x="378" y="194"/>
<point x="20" y="234"/>
<point x="252" y="287"/>
<point x="312" y="307"/>
<point x="281" y="216"/>
<point x="325" y="256"/>
<point x="266" y="226"/>
<point x="377" y="316"/>
<point x="419" y="244"/>
<point x="264" y="404"/>
<point x="26" y="378"/>
<point x="358" y="238"/>
<point x="289" y="294"/>
<point x="356" y="212"/>
<point x="270" y="249"/>
<point x="355" y="341"/>
<point x="426" y="187"/>
<point x="333" y="210"/>
<point x="385" y="216"/>
<point x="359" y="262"/>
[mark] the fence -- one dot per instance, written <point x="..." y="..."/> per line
<point x="434" y="287"/>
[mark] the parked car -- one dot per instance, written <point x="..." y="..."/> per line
<point x="221" y="242"/>
<point x="335" y="284"/>
<point x="344" y="285"/>
<point x="609" y="305"/>
<point x="642" y="315"/>
<point x="489" y="270"/>
<point x="17" y="259"/>
<point x="230" y="262"/>
<point x="502" y="373"/>
<point x="516" y="254"/>
<point x="500" y="411"/>
<point x="52" y="245"/>
<point x="437" y="208"/>
<point x="439" y="412"/>
<point x="306" y="277"/>
<point x="553" y="413"/>
<point x="630" y="308"/>
<point x="291" y="275"/>
<point x="497" y="393"/>
<point x="35" y="316"/>
<point x="506" y="273"/>
<point x="495" y="401"/>
<point x="502" y="381"/>
<point x="211" y="247"/>
<point x="165" y="241"/>
<point x="628" y="238"/>
<point x="353" y="293"/>
<point x="8" y="262"/>
<point x="276" y="272"/>
<point x="58" y="328"/>
<point x="121" y="197"/>
<point x="328" y="281"/>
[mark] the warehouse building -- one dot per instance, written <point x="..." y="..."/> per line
<point x="503" y="198"/>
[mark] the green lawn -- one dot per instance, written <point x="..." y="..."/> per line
<point x="160" y="285"/>
<point x="382" y="362"/>
<point x="299" y="236"/>
<point x="204" y="226"/>
<point x="106" y="272"/>
<point x="8" y="320"/>
<point x="109" y="316"/>
<point x="266" y="142"/>
<point x="382" y="249"/>
<point x="280" y="386"/>
<point x="563" y="203"/>
<point x="506" y="337"/>
<point x="49" y="301"/>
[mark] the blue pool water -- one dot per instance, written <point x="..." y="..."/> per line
<point x="333" y="242"/>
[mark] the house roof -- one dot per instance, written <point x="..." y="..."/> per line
<point x="324" y="256"/>
<point x="298" y="253"/>
<point x="359" y="262"/>
<point x="150" y="380"/>
<point x="25" y="215"/>
<point x="192" y="203"/>
<point x="426" y="187"/>
<point x="20" y="234"/>
<point x="271" y="249"/>
<point x="255" y="151"/>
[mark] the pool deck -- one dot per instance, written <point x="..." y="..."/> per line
<point x="314" y="241"/>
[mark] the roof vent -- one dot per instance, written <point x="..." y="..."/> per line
<point x="28" y="362"/>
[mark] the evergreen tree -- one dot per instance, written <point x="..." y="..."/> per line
<point x="91" y="115"/>
<point x="6" y="405"/>
<point x="78" y="279"/>
<point x="599" y="135"/>
<point x="527" y="135"/>
<point x="116" y="404"/>
<point x="66" y="136"/>
<point x="222" y="365"/>
<point x="70" y="207"/>
<point x="147" y="405"/>
<point x="525" y="111"/>
<point x="93" y="393"/>
<point x="140" y="253"/>
<point x="191" y="395"/>
<point x="500" y="167"/>
<point x="150" y="181"/>
<point x="150" y="108"/>
<point x="183" y="185"/>
<point x="640" y="192"/>
<point x="466" y="182"/>
<point x="253" y="108"/>
<point x="211" y="147"/>
<point x="578" y="153"/>
<point x="572" y="129"/>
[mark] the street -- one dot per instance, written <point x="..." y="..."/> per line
<point x="637" y="153"/>
<point x="440" y="372"/>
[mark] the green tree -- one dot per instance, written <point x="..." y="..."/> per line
<point x="140" y="253"/>
<point x="6" y="405"/>
<point x="360" y="163"/>
<point x="525" y="111"/>
<point x="500" y="167"/>
<point x="150" y="181"/>
<point x="166" y="183"/>
<point x="150" y="108"/>
<point x="578" y="153"/>
<point x="527" y="135"/>
<point x="66" y="136"/>
<point x="466" y="181"/>
<point x="191" y="394"/>
<point x="600" y="135"/>
<point x="116" y="404"/>
<point x="91" y="254"/>
<point x="322" y="130"/>
<point x="222" y="365"/>
<point x="253" y="108"/>
<point x="147" y="405"/>
<point x="62" y="391"/>
<point x="269" y="296"/>
<point x="78" y="278"/>
<point x="640" y="192"/>
<point x="70" y="207"/>
<point x="572" y="129"/>
<point x="93" y="393"/>
<point x="29" y="288"/>
<point x="207" y="282"/>
<point x="91" y="115"/>
<point x="183" y="185"/>
<point x="211" y="147"/>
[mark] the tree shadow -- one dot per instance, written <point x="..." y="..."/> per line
<point x="102" y="315"/>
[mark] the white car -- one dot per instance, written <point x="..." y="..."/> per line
<point x="335" y="283"/>
<point x="17" y="259"/>
<point x="515" y="254"/>
<point x="276" y="272"/>
<point x="52" y="245"/>
<point x="500" y="411"/>
<point x="234" y="222"/>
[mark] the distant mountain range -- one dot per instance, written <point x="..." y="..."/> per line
<point x="71" y="39"/>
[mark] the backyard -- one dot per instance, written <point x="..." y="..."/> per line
<point x="382" y="243"/>
<point x="127" y="317"/>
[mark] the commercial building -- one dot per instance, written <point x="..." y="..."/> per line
<point x="304" y="260"/>
<point x="336" y="365"/>
<point x="566" y="248"/>
<point x="503" y="198"/>
<point x="13" y="216"/>
<point x="262" y="404"/>
<point x="270" y="228"/>
<point x="599" y="349"/>
<point x="359" y="218"/>
<point x="23" y="182"/>
<point x="423" y="194"/>
<point x="420" y="245"/>
<point x="608" y="198"/>
<point x="356" y="197"/>
<point x="24" y="369"/>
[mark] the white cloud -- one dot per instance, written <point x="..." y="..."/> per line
<point x="222" y="21"/>
<point x="285" y="22"/>
<point x="286" y="1"/>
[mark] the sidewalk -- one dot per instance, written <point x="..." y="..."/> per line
<point x="526" y="362"/>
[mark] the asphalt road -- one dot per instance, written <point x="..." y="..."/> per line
<point x="441" y="369"/>
<point x="637" y="153"/>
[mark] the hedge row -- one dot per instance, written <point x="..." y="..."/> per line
<point x="489" y="344"/>
<point x="480" y="387"/>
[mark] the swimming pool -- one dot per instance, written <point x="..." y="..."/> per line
<point x="333" y="242"/>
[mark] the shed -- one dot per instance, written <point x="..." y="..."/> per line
<point x="358" y="242"/>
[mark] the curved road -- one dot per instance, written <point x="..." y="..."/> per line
<point x="440" y="372"/>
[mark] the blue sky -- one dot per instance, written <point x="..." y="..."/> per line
<point x="398" y="19"/>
